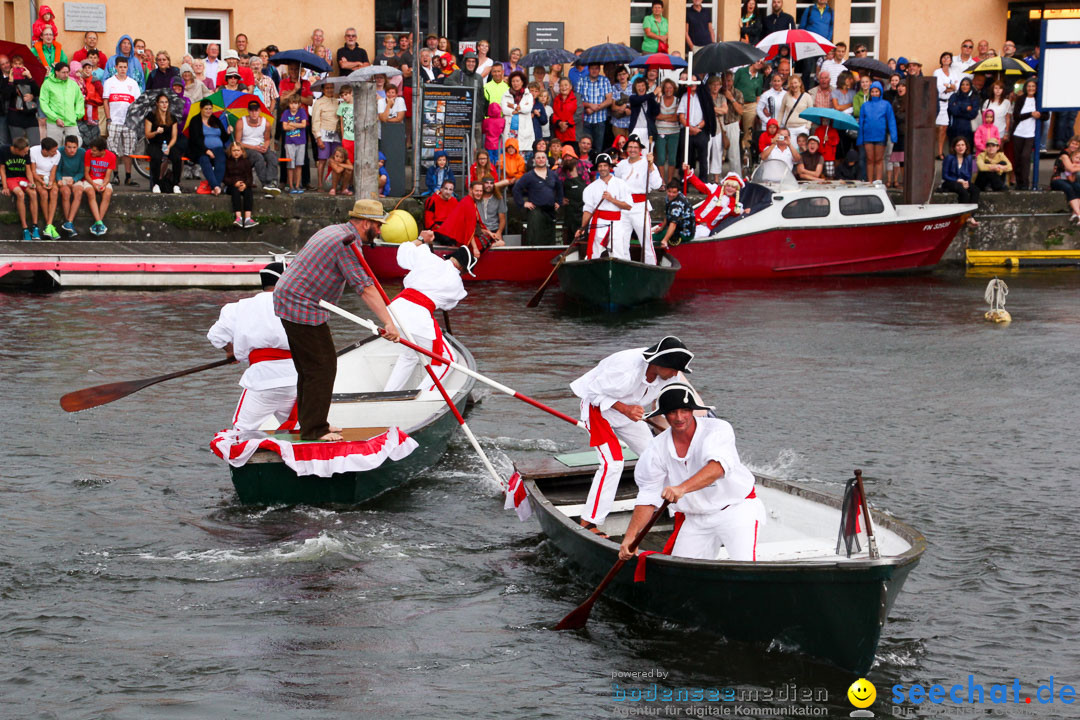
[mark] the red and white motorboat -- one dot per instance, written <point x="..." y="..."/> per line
<point x="794" y="230"/>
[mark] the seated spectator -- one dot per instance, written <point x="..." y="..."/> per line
<point x="438" y="206"/>
<point x="240" y="185"/>
<point x="44" y="159"/>
<point x="679" y="221"/>
<point x="438" y="173"/>
<point x="540" y="192"/>
<point x="207" y="138"/>
<point x="100" y="167"/>
<point x="72" y="183"/>
<point x="512" y="164"/>
<point x="255" y="134"/>
<point x="162" y="134"/>
<point x="993" y="167"/>
<point x="384" y="177"/>
<point x="848" y="168"/>
<point x="766" y="138"/>
<point x="492" y="207"/>
<point x="194" y="88"/>
<point x="958" y="172"/>
<point x="811" y="166"/>
<point x="481" y="167"/>
<point x="294" y="122"/>
<point x="828" y="142"/>
<point x="780" y="149"/>
<point x="987" y="130"/>
<point x="17" y="181"/>
<point x="341" y="172"/>
<point x="493" y="127"/>
<point x="1066" y="176"/>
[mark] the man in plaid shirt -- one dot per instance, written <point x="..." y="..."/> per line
<point x="320" y="271"/>
<point x="594" y="92"/>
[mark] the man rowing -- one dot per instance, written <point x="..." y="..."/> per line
<point x="640" y="175"/>
<point x="695" y="465"/>
<point x="614" y="395"/>
<point x="431" y="284"/>
<point x="322" y="268"/>
<point x="605" y="199"/>
<point x="249" y="330"/>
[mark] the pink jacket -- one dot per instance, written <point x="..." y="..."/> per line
<point x="983" y="133"/>
<point x="493" y="127"/>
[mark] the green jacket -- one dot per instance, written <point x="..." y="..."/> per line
<point x="857" y="102"/>
<point x="62" y="100"/>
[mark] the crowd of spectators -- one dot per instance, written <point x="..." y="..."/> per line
<point x="538" y="129"/>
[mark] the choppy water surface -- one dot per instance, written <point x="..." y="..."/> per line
<point x="132" y="584"/>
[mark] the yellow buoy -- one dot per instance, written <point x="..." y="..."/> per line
<point x="399" y="227"/>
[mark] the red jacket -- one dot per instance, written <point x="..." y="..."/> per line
<point x="437" y="210"/>
<point x="564" y="111"/>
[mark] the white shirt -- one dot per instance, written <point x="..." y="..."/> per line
<point x="252" y="135"/>
<point x="436" y="278"/>
<point x="944" y="79"/>
<point x="619" y="377"/>
<point x="783" y="156"/>
<point x="660" y="466"/>
<point x="119" y="94"/>
<point x="249" y="324"/>
<point x="776" y="96"/>
<point x="834" y="69"/>
<point x="213" y="67"/>
<point x="593" y="196"/>
<point x="963" y="65"/>
<point x="695" y="115"/>
<point x="44" y="165"/>
<point x="397" y="108"/>
<point x="633" y="174"/>
<point x="1025" y="128"/>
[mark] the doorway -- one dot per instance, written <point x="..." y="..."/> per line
<point x="462" y="21"/>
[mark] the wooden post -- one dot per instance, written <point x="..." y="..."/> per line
<point x="366" y="134"/>
<point x="920" y="140"/>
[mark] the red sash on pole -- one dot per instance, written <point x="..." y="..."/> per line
<point x="418" y="298"/>
<point x="610" y="215"/>
<point x="258" y="355"/>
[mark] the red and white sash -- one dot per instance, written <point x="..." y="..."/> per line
<point x="612" y="216"/>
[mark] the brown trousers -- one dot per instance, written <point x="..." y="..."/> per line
<point x="315" y="358"/>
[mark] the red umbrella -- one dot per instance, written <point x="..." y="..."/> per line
<point x="803" y="43"/>
<point x="30" y="60"/>
<point x="660" y="61"/>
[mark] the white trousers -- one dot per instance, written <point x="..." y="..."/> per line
<point x="257" y="406"/>
<point x="635" y="225"/>
<point x="407" y="362"/>
<point x="736" y="528"/>
<point x="606" y="479"/>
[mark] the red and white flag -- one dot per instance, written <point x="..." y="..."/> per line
<point x="517" y="499"/>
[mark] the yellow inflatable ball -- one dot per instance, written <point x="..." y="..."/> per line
<point x="399" y="227"/>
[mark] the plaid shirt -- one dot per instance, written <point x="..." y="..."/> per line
<point x="319" y="272"/>
<point x="594" y="91"/>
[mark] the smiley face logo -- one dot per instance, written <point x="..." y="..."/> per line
<point x="862" y="693"/>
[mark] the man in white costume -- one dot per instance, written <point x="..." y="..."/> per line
<point x="614" y="396"/>
<point x="431" y="284"/>
<point x="641" y="176"/>
<point x="694" y="464"/>
<point x="606" y="199"/>
<point x="249" y="330"/>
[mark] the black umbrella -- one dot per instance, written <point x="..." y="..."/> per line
<point x="548" y="57"/>
<point x="309" y="60"/>
<point x="607" y="53"/>
<point x="869" y="65"/>
<point x="723" y="56"/>
<point x="144" y="105"/>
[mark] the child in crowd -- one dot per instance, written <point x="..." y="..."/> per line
<point x="238" y="183"/>
<point x="512" y="165"/>
<point x="539" y="112"/>
<point x="493" y="126"/>
<point x="438" y="172"/>
<point x="987" y="130"/>
<point x="324" y="126"/>
<point x="72" y="185"/>
<point x="43" y="161"/>
<point x="100" y="167"/>
<point x="829" y="139"/>
<point x="384" y="177"/>
<point x="294" y="122"/>
<point x="18" y="68"/>
<point x="345" y="118"/>
<point x="341" y="170"/>
<point x="45" y="19"/>
<point x="14" y="161"/>
<point x="481" y="167"/>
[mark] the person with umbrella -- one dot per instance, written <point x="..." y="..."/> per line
<point x="207" y="137"/>
<point x="595" y="93"/>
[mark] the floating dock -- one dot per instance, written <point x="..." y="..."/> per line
<point x="108" y="264"/>
<point x="1023" y="258"/>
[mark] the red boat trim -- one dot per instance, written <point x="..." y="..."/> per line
<point x="860" y="261"/>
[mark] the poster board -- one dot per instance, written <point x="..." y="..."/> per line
<point x="1059" y="57"/>
<point x="84" y="17"/>
<point x="446" y="123"/>
<point x="545" y="35"/>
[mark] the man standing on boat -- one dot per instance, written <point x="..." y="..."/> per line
<point x="431" y="284"/>
<point x="641" y="176"/>
<point x="320" y="271"/>
<point x="249" y="330"/>
<point x="605" y="200"/>
<point x="614" y="396"/>
<point x="721" y="201"/>
<point x="695" y="465"/>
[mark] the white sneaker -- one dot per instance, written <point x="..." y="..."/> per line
<point x="176" y="190"/>
<point x="156" y="190"/>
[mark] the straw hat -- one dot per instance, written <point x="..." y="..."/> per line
<point x="368" y="210"/>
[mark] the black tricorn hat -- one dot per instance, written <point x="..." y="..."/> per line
<point x="270" y="274"/>
<point x="465" y="259"/>
<point x="676" y="396"/>
<point x="669" y="353"/>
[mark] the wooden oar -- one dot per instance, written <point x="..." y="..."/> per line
<point x="431" y="374"/>
<point x="104" y="394"/>
<point x="376" y="330"/>
<point x="540" y="291"/>
<point x="580" y="615"/>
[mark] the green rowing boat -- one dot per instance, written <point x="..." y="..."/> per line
<point x="614" y="284"/>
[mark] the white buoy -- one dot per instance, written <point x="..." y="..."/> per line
<point x="996" y="290"/>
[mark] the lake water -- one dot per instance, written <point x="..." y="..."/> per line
<point x="133" y="585"/>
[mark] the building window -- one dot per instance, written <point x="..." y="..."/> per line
<point x="205" y="27"/>
<point x="639" y="10"/>
<point x="865" y="25"/>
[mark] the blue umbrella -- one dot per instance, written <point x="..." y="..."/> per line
<point x="607" y="53"/>
<point x="840" y="120"/>
<point x="548" y="57"/>
<point x="309" y="60"/>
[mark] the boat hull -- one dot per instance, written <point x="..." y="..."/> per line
<point x="833" y="611"/>
<point x="614" y="284"/>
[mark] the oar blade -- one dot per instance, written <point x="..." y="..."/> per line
<point x="537" y="297"/>
<point x="92" y="397"/>
<point x="578" y="617"/>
